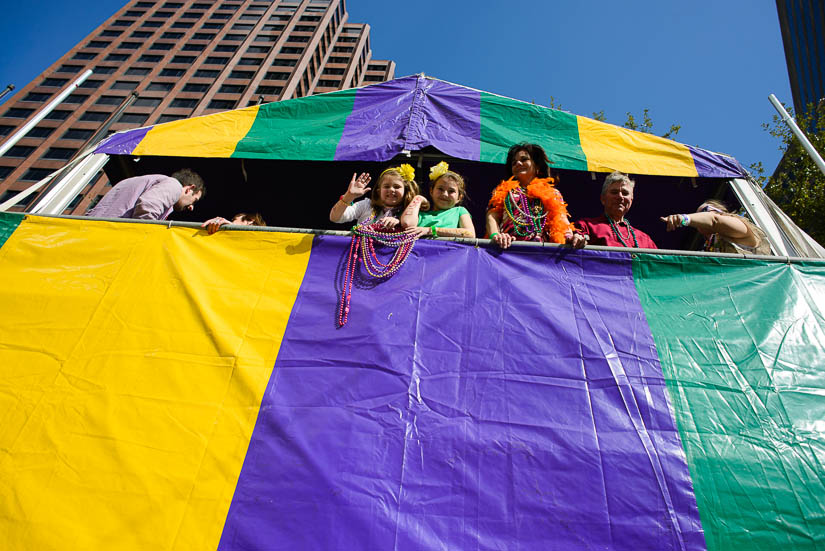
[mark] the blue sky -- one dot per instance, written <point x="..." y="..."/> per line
<point x="707" y="66"/>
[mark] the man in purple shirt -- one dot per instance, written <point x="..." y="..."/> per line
<point x="151" y="197"/>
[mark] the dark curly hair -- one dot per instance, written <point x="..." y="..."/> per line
<point x="537" y="155"/>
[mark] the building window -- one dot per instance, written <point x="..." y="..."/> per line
<point x="291" y="50"/>
<point x="35" y="175"/>
<point x="212" y="26"/>
<point x="246" y="75"/>
<point x="298" y="39"/>
<point x="146" y="102"/>
<point x="109" y="100"/>
<point x="284" y="62"/>
<point x="54" y="82"/>
<point x="97" y="44"/>
<point x="77" y="134"/>
<point x="193" y="48"/>
<point x="4" y="172"/>
<point x="185" y="103"/>
<point x="200" y="6"/>
<point x="249" y="61"/>
<point x="104" y="70"/>
<point x="338" y="59"/>
<point x="183" y="59"/>
<point x="163" y="14"/>
<point x="213" y="60"/>
<point x="195" y="87"/>
<point x="124" y="85"/>
<point x="221" y="16"/>
<point x="148" y="58"/>
<point x="343" y="50"/>
<point x="161" y="46"/>
<point x="276" y="75"/>
<point x="97" y="116"/>
<point x="225" y="48"/>
<point x="272" y="28"/>
<point x="18" y="113"/>
<point x="304" y="28"/>
<point x="121" y="23"/>
<point x="91" y="84"/>
<point x="207" y="73"/>
<point x="160" y="86"/>
<point x="137" y="71"/>
<point x="203" y="36"/>
<point x="40" y="132"/>
<point x="20" y="151"/>
<point x="182" y="25"/>
<point x="258" y="50"/>
<point x="170" y="118"/>
<point x="332" y="71"/>
<point x="59" y="153"/>
<point x="36" y="97"/>
<point x="128" y="46"/>
<point x="75" y="98"/>
<point x="152" y="24"/>
<point x="269" y="90"/>
<point x="114" y="57"/>
<point x="69" y="69"/>
<point x="310" y="18"/>
<point x="133" y="118"/>
<point x="221" y="104"/>
<point x="191" y="15"/>
<point x="172" y="72"/>
<point x="373" y="78"/>
<point x="232" y="89"/>
<point x="84" y="55"/>
<point x="58" y="115"/>
<point x="242" y="27"/>
<point x="134" y="13"/>
<point x="141" y="34"/>
<point x="249" y="17"/>
<point x="172" y="5"/>
<point x="171" y="35"/>
<point x="266" y="38"/>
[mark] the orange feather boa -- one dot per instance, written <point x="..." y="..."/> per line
<point x="556" y="225"/>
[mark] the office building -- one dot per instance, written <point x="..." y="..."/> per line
<point x="183" y="59"/>
<point x="803" y="34"/>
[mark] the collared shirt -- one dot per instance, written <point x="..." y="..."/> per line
<point x="601" y="233"/>
<point x="149" y="197"/>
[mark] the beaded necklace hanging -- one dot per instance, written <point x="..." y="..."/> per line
<point x="363" y="238"/>
<point x="528" y="219"/>
<point x="618" y="235"/>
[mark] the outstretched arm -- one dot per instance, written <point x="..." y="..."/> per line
<point x="409" y="218"/>
<point x="729" y="226"/>
<point x="357" y="188"/>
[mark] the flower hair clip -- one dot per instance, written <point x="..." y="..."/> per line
<point x="439" y="170"/>
<point x="406" y="171"/>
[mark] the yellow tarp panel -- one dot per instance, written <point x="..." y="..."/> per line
<point x="217" y="135"/>
<point x="168" y="336"/>
<point x="608" y="148"/>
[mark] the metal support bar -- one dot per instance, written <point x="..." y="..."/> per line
<point x="43" y="112"/>
<point x="803" y="139"/>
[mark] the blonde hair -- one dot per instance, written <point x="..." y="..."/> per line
<point x="411" y="189"/>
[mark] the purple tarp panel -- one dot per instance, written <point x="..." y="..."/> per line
<point x="711" y="165"/>
<point x="473" y="401"/>
<point x="122" y="143"/>
<point x="451" y="120"/>
<point x="380" y="115"/>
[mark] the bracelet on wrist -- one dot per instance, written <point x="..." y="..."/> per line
<point x="492" y="235"/>
<point x="685" y="219"/>
<point x="434" y="231"/>
<point x="350" y="203"/>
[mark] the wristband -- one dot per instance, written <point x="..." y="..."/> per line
<point x="434" y="231"/>
<point x="685" y="219"/>
<point x="350" y="203"/>
<point x="492" y="235"/>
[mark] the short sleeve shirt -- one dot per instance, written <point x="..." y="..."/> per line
<point x="449" y="218"/>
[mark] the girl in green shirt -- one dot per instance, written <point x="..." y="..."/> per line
<point x="448" y="218"/>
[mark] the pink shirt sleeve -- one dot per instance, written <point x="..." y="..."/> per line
<point x="157" y="201"/>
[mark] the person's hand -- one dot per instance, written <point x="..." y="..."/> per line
<point x="358" y="186"/>
<point x="673" y="221"/>
<point x="503" y="240"/>
<point x="389" y="222"/>
<point x="418" y="231"/>
<point x="575" y="240"/>
<point x="213" y="224"/>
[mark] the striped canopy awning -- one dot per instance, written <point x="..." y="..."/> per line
<point x="377" y="122"/>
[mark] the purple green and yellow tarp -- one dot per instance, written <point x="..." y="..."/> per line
<point x="165" y="389"/>
<point x="380" y="121"/>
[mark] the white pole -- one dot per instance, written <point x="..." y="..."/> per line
<point x="806" y="143"/>
<point x="43" y="112"/>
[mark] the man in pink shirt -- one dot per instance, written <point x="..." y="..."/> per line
<point x="613" y="229"/>
<point x="151" y="197"/>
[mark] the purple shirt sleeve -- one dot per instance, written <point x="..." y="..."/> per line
<point x="157" y="201"/>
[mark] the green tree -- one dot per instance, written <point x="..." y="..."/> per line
<point x="797" y="185"/>
<point x="647" y="124"/>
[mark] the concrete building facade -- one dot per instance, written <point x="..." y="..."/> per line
<point x="182" y="59"/>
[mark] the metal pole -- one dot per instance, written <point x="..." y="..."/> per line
<point x="806" y="143"/>
<point x="8" y="89"/>
<point x="43" y="112"/>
